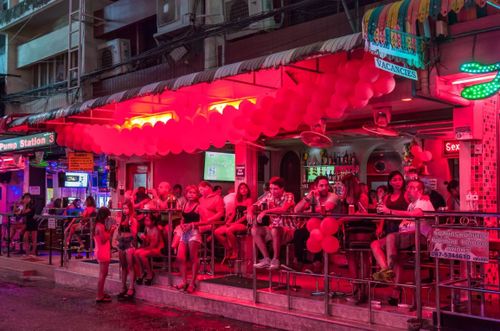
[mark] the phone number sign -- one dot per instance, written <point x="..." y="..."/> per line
<point x="460" y="244"/>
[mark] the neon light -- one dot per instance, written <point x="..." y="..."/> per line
<point x="473" y="79"/>
<point x="149" y="119"/>
<point x="481" y="90"/>
<point x="219" y="107"/>
<point x="492" y="4"/>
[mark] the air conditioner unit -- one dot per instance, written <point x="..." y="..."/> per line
<point x="175" y="15"/>
<point x="235" y="10"/>
<point x="112" y="53"/>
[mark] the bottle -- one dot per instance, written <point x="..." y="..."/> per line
<point x="313" y="203"/>
<point x="354" y="160"/>
<point x="305" y="158"/>
<point x="345" y="161"/>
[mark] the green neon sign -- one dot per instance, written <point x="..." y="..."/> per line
<point x="482" y="90"/>
<point x="28" y="142"/>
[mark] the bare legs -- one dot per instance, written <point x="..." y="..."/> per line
<point x="103" y="273"/>
<point x="193" y="247"/>
<point x="226" y="235"/>
<point x="33" y="235"/>
<point x="128" y="269"/>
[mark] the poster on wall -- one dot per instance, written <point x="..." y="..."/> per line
<point x="80" y="161"/>
<point x="460" y="244"/>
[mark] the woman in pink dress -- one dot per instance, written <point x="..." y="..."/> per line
<point x="102" y="251"/>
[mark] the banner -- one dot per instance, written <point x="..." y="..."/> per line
<point x="80" y="162"/>
<point x="460" y="244"/>
<point x="28" y="142"/>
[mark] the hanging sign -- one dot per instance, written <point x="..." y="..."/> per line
<point x="396" y="69"/>
<point x="482" y="90"/>
<point x="460" y="244"/>
<point x="34" y="190"/>
<point x="52" y="224"/>
<point x="27" y="142"/>
<point x="239" y="171"/>
<point x="80" y="161"/>
<point x="451" y="148"/>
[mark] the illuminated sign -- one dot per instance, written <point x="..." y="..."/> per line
<point x="396" y="69"/>
<point x="481" y="90"/>
<point x="27" y="142"/>
<point x="219" y="107"/>
<point x="149" y="119"/>
<point x="451" y="147"/>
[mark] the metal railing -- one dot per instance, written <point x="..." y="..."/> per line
<point x="439" y="220"/>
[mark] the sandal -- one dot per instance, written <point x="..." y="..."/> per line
<point x="149" y="281"/>
<point x="122" y="294"/>
<point x="182" y="287"/>
<point x="104" y="299"/>
<point x="130" y="294"/>
<point x="191" y="288"/>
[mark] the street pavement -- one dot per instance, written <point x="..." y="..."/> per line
<point x="39" y="305"/>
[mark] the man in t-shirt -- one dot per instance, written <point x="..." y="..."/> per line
<point x="211" y="206"/>
<point x="323" y="201"/>
<point x="272" y="227"/>
<point x="405" y="238"/>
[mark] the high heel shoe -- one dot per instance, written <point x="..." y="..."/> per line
<point x="149" y="281"/>
<point x="191" y="288"/>
<point x="130" y="294"/>
<point x="392" y="301"/>
<point x="140" y="280"/>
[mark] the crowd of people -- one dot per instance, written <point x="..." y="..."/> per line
<point x="141" y="233"/>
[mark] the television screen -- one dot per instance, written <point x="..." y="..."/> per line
<point x="219" y="167"/>
<point x="76" y="179"/>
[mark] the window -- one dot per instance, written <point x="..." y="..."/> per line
<point x="3" y="54"/>
<point x="50" y="71"/>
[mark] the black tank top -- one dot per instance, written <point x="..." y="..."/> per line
<point x="399" y="204"/>
<point x="124" y="228"/>
<point x="240" y="211"/>
<point x="191" y="216"/>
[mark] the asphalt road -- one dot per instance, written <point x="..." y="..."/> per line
<point x="38" y="305"/>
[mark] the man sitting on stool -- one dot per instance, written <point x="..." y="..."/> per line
<point x="405" y="238"/>
<point x="268" y="228"/>
<point x="319" y="199"/>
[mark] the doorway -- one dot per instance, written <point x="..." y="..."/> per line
<point x="290" y="172"/>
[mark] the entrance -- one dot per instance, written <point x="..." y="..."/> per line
<point x="290" y="172"/>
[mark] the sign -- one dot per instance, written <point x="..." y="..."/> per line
<point x="460" y="244"/>
<point x="27" y="142"/>
<point x="484" y="89"/>
<point x="451" y="148"/>
<point x="34" y="190"/>
<point x="463" y="133"/>
<point x="396" y="69"/>
<point x="240" y="171"/>
<point x="52" y="224"/>
<point x="80" y="161"/>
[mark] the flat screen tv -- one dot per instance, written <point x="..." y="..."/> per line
<point x="219" y="167"/>
<point x="76" y="179"/>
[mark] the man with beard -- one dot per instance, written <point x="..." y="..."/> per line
<point x="322" y="200"/>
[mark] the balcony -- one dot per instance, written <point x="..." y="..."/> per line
<point x="22" y="11"/>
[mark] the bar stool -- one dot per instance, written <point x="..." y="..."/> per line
<point x="206" y="255"/>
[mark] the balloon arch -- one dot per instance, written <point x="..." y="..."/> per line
<point x="344" y="86"/>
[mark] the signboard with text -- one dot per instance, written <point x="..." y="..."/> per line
<point x="80" y="161"/>
<point x="460" y="244"/>
<point x="27" y="142"/>
<point x="396" y="69"/>
<point x="240" y="171"/>
<point x="451" y="148"/>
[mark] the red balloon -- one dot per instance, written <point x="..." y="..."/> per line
<point x="321" y="98"/>
<point x="313" y="246"/>
<point x="327" y="82"/>
<point x="368" y="73"/>
<point x="313" y="223"/>
<point x="313" y="115"/>
<point x="329" y="226"/>
<point x="334" y="114"/>
<point x="316" y="235"/>
<point x="363" y="90"/>
<point x="307" y="90"/>
<point x="384" y="85"/>
<point x="330" y="245"/>
<point x="339" y="102"/>
<point x="427" y="156"/>
<point x="246" y="107"/>
<point x="415" y="149"/>
<point x="351" y="69"/>
<point x="357" y="103"/>
<point x="279" y="112"/>
<point x="344" y="86"/>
